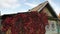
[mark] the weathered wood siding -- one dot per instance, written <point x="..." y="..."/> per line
<point x="47" y="12"/>
<point x="52" y="23"/>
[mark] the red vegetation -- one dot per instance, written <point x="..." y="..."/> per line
<point x="26" y="23"/>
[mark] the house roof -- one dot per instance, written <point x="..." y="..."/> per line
<point x="42" y="5"/>
<point x="38" y="8"/>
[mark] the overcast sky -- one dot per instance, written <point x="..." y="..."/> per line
<point x="15" y="6"/>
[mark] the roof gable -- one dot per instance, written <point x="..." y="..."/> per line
<point x="42" y="5"/>
<point x="51" y="10"/>
<point x="45" y="10"/>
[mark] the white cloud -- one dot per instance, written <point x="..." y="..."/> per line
<point x="22" y="11"/>
<point x="57" y="10"/>
<point x="9" y="3"/>
<point x="13" y="12"/>
<point x="25" y="0"/>
<point x="30" y="4"/>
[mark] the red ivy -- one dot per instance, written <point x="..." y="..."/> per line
<point x="26" y="23"/>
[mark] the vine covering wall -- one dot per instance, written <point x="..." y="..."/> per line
<point x="25" y="23"/>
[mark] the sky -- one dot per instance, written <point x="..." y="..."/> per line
<point x="15" y="6"/>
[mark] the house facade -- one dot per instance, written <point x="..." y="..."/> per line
<point x="45" y="7"/>
<point x="53" y="20"/>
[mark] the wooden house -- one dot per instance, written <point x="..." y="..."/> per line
<point x="52" y="17"/>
